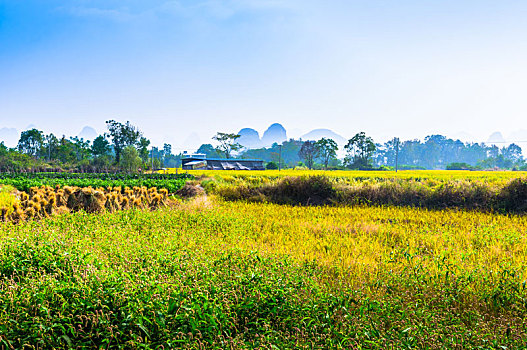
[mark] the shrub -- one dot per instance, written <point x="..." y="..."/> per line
<point x="190" y="191"/>
<point x="304" y="190"/>
<point x="513" y="197"/>
<point x="459" y="166"/>
<point x="271" y="166"/>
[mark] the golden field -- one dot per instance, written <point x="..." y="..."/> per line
<point x="214" y="273"/>
<point x="361" y="174"/>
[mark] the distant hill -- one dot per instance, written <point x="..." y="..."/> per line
<point x="249" y="138"/>
<point x="275" y="133"/>
<point x="88" y="133"/>
<point x="317" y="134"/>
<point x="9" y="136"/>
<point x="496" y="137"/>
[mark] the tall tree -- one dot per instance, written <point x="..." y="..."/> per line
<point x="512" y="152"/>
<point x="100" y="147"/>
<point x="66" y="152"/>
<point x="31" y="142"/>
<point x="360" y="149"/>
<point x="82" y="148"/>
<point x="208" y="150"/>
<point x="308" y="152"/>
<point x="50" y="147"/>
<point x="167" y="150"/>
<point x="227" y="143"/>
<point x="122" y="135"/>
<point x="326" y="150"/>
<point x="142" y="147"/>
<point x="130" y="160"/>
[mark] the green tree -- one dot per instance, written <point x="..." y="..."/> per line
<point x="142" y="147"/>
<point x="102" y="152"/>
<point x="100" y="147"/>
<point x="50" y="147"/>
<point x="31" y="142"/>
<point x="82" y="148"/>
<point x="308" y="152"/>
<point x="122" y="135"/>
<point x="512" y="152"/>
<point x="360" y="149"/>
<point x="157" y="156"/>
<point x="208" y="150"/>
<point x="167" y="150"/>
<point x="130" y="160"/>
<point x="66" y="151"/>
<point x="227" y="144"/>
<point x="326" y="150"/>
<point x="271" y="166"/>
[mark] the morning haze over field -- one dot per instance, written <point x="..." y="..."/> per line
<point x="263" y="174"/>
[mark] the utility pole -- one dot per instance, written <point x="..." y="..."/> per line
<point x="152" y="152"/>
<point x="396" y="154"/>
<point x="280" y="159"/>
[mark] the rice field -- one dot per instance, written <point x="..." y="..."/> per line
<point x="438" y="175"/>
<point x="209" y="273"/>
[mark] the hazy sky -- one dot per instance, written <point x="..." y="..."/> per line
<point x="404" y="68"/>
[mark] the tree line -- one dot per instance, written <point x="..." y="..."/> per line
<point x="122" y="148"/>
<point x="362" y="153"/>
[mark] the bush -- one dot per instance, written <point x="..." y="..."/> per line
<point x="271" y="166"/>
<point x="305" y="190"/>
<point x="190" y="191"/>
<point x="459" y="166"/>
<point x="513" y="197"/>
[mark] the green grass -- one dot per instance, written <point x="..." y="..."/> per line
<point x="24" y="181"/>
<point x="193" y="278"/>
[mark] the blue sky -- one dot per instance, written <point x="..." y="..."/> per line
<point x="389" y="68"/>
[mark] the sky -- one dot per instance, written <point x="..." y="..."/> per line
<point x="183" y="70"/>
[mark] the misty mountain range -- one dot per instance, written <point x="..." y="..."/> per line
<point x="10" y="136"/>
<point x="276" y="133"/>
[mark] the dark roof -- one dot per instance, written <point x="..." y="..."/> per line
<point x="226" y="159"/>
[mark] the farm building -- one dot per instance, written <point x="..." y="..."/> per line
<point x="200" y="161"/>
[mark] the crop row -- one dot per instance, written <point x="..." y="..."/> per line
<point x="102" y="176"/>
<point x="26" y="181"/>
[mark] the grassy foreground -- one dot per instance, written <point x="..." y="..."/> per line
<point x="219" y="274"/>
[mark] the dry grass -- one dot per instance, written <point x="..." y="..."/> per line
<point x="41" y="202"/>
<point x="503" y="196"/>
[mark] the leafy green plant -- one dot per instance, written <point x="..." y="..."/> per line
<point x="24" y="182"/>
